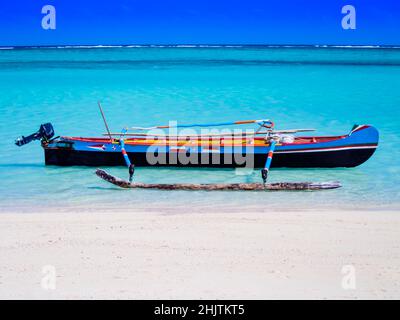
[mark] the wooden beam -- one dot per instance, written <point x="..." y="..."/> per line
<point x="218" y="187"/>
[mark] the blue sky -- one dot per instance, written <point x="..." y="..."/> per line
<point x="199" y="22"/>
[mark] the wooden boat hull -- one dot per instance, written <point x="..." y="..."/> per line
<point x="331" y="159"/>
<point x="348" y="150"/>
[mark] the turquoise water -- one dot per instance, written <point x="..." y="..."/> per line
<point x="329" y="89"/>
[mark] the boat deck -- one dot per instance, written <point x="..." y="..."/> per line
<point x="212" y="140"/>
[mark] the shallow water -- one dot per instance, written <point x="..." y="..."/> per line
<point x="329" y="89"/>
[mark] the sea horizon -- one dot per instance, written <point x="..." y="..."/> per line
<point x="201" y="45"/>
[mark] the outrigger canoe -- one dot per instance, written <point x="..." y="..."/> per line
<point x="349" y="150"/>
<point x="253" y="149"/>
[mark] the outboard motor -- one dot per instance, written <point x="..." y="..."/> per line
<point x="46" y="132"/>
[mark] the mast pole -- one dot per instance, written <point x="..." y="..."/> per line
<point x="105" y="121"/>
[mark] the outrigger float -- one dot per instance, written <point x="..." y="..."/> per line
<point x="266" y="147"/>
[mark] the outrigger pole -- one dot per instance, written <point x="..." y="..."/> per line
<point x="264" y="172"/>
<point x="129" y="164"/>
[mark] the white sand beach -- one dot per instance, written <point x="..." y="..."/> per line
<point x="214" y="255"/>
